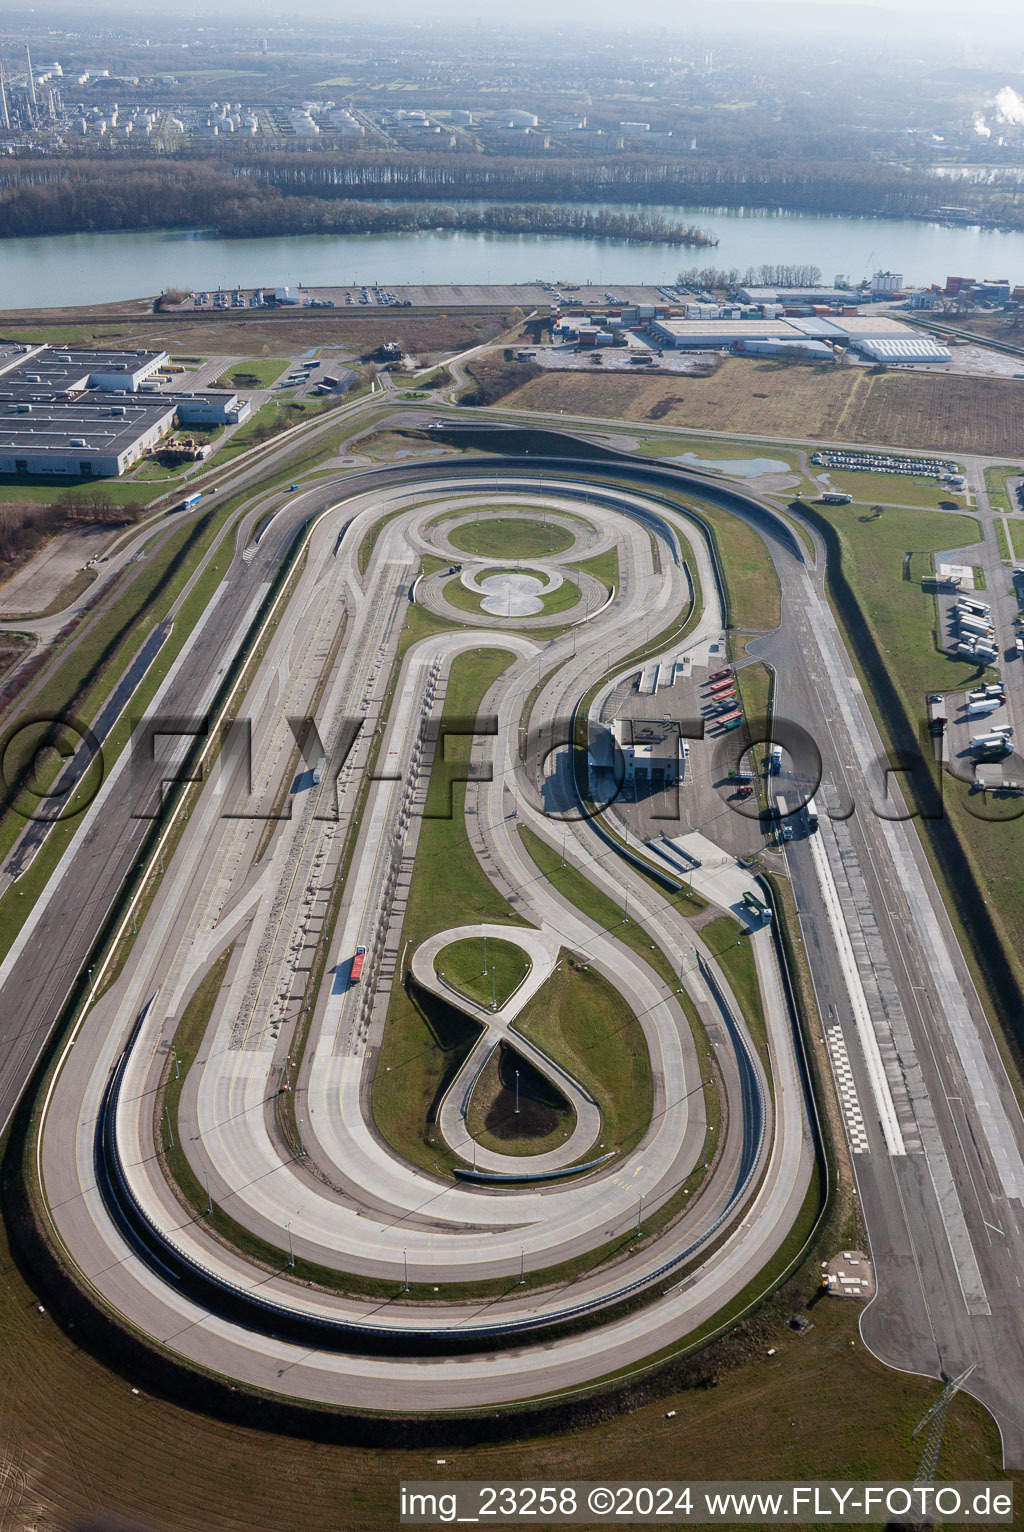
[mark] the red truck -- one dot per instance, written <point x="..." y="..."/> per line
<point x="357" y="965"/>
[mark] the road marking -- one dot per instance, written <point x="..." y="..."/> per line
<point x="848" y="1099"/>
<point x="858" y="1000"/>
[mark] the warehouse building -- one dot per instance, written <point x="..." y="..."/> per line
<point x="886" y="340"/>
<point x="719" y="334"/>
<point x="795" y="297"/>
<point x="82" y="439"/>
<point x="92" y="414"/>
<point x="876" y="339"/>
<point x="72" y="372"/>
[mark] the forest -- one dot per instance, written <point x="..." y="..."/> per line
<point x="331" y="193"/>
<point x="102" y="195"/>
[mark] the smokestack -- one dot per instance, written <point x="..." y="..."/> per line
<point x="5" y="116"/>
<point x="31" y="83"/>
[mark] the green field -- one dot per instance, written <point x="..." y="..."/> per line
<point x="252" y="373"/>
<point x="903" y="616"/>
<point x="889" y="488"/>
<point x="45" y="490"/>
<point x="483" y="969"/>
<point x="583" y="1023"/>
<point x="508" y="537"/>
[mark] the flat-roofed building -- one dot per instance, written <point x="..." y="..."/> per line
<point x="719" y="334"/>
<point x="67" y="370"/>
<point x="80" y="439"/>
<point x="91" y="414"/>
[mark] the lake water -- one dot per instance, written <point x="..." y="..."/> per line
<point x="98" y="268"/>
<point x="743" y="468"/>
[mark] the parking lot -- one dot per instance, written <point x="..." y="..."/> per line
<point x="723" y="808"/>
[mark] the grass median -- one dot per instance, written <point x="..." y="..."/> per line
<point x="425" y="1041"/>
<point x="486" y="972"/>
<point x="582" y="1022"/>
<point x="504" y="537"/>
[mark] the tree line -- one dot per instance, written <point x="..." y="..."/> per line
<point x="26" y="525"/>
<point x="710" y="278"/>
<point x="329" y="193"/>
<point x="173" y="196"/>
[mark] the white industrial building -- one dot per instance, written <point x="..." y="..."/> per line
<point x="80" y="439"/>
<point x="878" y="339"/>
<point x="92" y="414"/>
<point x="643" y="753"/>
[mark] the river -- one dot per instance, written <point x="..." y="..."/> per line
<point x="68" y="269"/>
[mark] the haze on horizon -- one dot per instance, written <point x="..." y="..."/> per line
<point x="820" y="16"/>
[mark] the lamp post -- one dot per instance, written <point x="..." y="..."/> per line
<point x="405" y="1271"/>
<point x="291" y="1247"/>
<point x="517" y="1090"/>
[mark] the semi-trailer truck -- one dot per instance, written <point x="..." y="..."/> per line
<point x="357" y="965"/>
<point x="756" y="906"/>
<point x="980" y="708"/>
<point x="190" y="501"/>
<point x="812" y="814"/>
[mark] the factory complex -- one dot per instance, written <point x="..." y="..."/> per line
<point x="875" y="338"/>
<point x="94" y="414"/>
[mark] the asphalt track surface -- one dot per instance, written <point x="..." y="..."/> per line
<point x="942" y="1202"/>
<point x="440" y="1232"/>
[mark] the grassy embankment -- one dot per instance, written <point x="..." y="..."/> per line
<point x="514" y="1109"/>
<point x="425" y="1041"/>
<point x="582" y="1022"/>
<point x="730" y="943"/>
<point x="752" y="586"/>
<point x="998" y="489"/>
